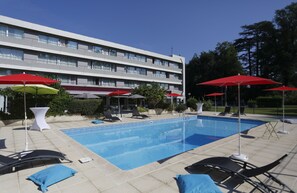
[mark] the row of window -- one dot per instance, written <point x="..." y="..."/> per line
<point x="18" y="33"/>
<point x="11" y="32"/>
<point x="57" y="41"/>
<point x="58" y="60"/>
<point x="15" y="54"/>
<point x="102" y="50"/>
<point x="12" y="54"/>
<point x="96" y="65"/>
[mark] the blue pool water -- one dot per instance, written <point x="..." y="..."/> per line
<point x="132" y="145"/>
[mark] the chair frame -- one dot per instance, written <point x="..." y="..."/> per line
<point x="17" y="160"/>
<point x="243" y="170"/>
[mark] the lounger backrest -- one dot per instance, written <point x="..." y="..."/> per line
<point x="135" y="112"/>
<point x="107" y="114"/>
<point x="242" y="110"/>
<point x="227" y="109"/>
<point x="263" y="169"/>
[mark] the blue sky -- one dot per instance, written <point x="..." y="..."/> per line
<point x="162" y="26"/>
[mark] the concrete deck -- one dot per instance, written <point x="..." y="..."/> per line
<point x="101" y="176"/>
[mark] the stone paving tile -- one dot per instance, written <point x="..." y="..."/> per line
<point x="127" y="188"/>
<point x="101" y="176"/>
<point x="146" y="183"/>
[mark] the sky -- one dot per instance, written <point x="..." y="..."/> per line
<point x="162" y="26"/>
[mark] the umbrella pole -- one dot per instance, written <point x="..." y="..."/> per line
<point x="119" y="103"/>
<point x="215" y="105"/>
<point x="26" y="130"/>
<point x="238" y="155"/>
<point x="283" y="131"/>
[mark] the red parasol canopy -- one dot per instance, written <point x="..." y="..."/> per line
<point x="25" y="79"/>
<point x="239" y="80"/>
<point x="173" y="95"/>
<point x="283" y="89"/>
<point x="215" y="94"/>
<point x="118" y="92"/>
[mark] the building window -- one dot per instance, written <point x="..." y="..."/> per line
<point x="11" y="32"/>
<point x="67" y="79"/>
<point x="102" y="66"/>
<point x="176" y="76"/>
<point x="57" y="42"/>
<point x="131" y="84"/>
<point x="58" y="60"/>
<point x="93" y="81"/>
<point x="174" y="65"/>
<point x="136" y="70"/>
<point x="107" y="82"/>
<point x="72" y="44"/>
<point x="160" y="74"/>
<point x="137" y="57"/>
<point x="157" y="61"/>
<point x="104" y="51"/>
<point x="12" y="54"/>
<point x="164" y="86"/>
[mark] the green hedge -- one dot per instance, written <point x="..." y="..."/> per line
<point x="84" y="107"/>
<point x="275" y="101"/>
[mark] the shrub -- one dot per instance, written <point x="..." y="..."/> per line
<point x="252" y="103"/>
<point x="192" y="103"/>
<point x="59" y="105"/>
<point x="269" y="101"/>
<point x="84" y="107"/>
<point x="207" y="105"/>
<point x="181" y="108"/>
<point x="142" y="109"/>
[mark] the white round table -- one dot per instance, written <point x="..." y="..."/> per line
<point x="39" y="122"/>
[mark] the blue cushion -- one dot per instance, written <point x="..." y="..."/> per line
<point x="196" y="183"/>
<point x="97" y="121"/>
<point x="51" y="175"/>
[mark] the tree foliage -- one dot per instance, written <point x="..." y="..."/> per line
<point x="267" y="49"/>
<point x="153" y="93"/>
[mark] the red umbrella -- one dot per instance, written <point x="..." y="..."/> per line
<point x="215" y="94"/>
<point x="283" y="89"/>
<point x="239" y="80"/>
<point x="173" y="95"/>
<point x="118" y="93"/>
<point x="25" y="79"/>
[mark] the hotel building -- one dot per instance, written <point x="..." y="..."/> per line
<point x="84" y="64"/>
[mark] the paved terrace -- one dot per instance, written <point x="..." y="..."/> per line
<point x="101" y="176"/>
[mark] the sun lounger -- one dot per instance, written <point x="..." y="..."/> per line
<point x="110" y="117"/>
<point x="241" y="112"/>
<point x="226" y="111"/>
<point x="246" y="172"/>
<point x="136" y="114"/>
<point x="22" y="159"/>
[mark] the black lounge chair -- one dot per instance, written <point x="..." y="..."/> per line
<point x="226" y="111"/>
<point x="241" y="112"/>
<point x="244" y="171"/>
<point x="22" y="160"/>
<point x="136" y="114"/>
<point x="110" y="117"/>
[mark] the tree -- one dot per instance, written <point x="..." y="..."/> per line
<point x="286" y="58"/>
<point x="256" y="45"/>
<point x="153" y="93"/>
<point x="221" y="62"/>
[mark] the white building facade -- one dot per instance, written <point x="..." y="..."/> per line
<point x="84" y="64"/>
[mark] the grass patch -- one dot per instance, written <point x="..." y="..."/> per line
<point x="290" y="110"/>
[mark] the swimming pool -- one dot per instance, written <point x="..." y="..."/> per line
<point x="132" y="145"/>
